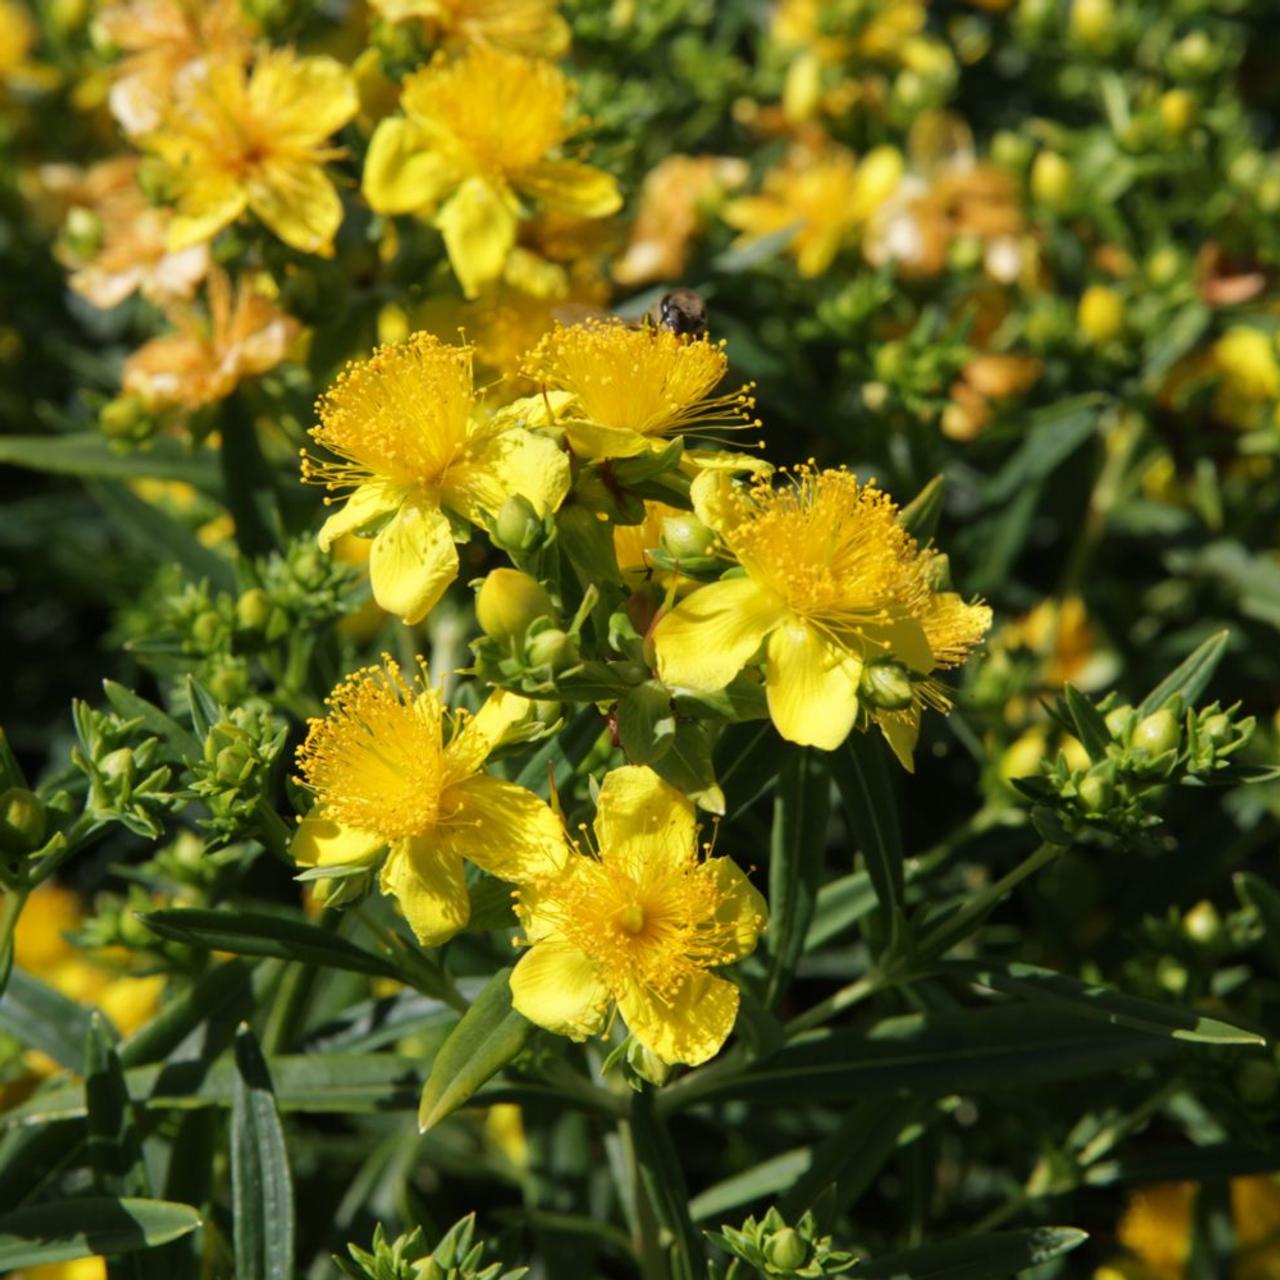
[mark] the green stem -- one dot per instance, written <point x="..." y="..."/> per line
<point x="274" y="833"/>
<point x="646" y="1242"/>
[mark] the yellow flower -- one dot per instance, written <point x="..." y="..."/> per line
<point x="826" y="198"/>
<point x="412" y="449"/>
<point x="844" y="598"/>
<point x="639" y="925"/>
<point x="166" y="44"/>
<point x="387" y="775"/>
<point x="631" y="390"/>
<point x="476" y="135"/>
<point x="532" y="27"/>
<point x="244" y="334"/>
<point x="1245" y="361"/>
<point x="80" y="1269"/>
<point x="18" y="36"/>
<point x="255" y="140"/>
<point x="633" y="542"/>
<point x="128" y="237"/>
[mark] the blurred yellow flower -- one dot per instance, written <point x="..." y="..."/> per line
<point x="639" y="924"/>
<point x="166" y="45"/>
<point x="1249" y="376"/>
<point x="477" y="134"/>
<point x="18" y="35"/>
<point x="631" y="390"/>
<point x="842" y="594"/>
<point x="255" y="139"/>
<point x="825" y="198"/>
<point x="387" y="774"/>
<point x="115" y="241"/>
<point x="1155" y="1229"/>
<point x="531" y="27"/>
<point x="242" y="335"/>
<point x="674" y="202"/>
<point x="413" y="453"/>
<point x="80" y="1269"/>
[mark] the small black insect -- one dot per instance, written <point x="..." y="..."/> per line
<point x="681" y="312"/>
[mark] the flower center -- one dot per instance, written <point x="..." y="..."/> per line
<point x="375" y="762"/>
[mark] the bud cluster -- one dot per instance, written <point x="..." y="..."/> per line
<point x="458" y="1256"/>
<point x="128" y="782"/>
<point x="233" y="772"/>
<point x="776" y="1249"/>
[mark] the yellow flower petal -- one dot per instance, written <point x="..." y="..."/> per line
<point x="709" y="636"/>
<point x="901" y="733"/>
<point x="740" y="904"/>
<point x="319" y="841"/>
<point x="427" y="880"/>
<point x="640" y="818"/>
<point x="688" y="1026"/>
<point x="557" y="987"/>
<point x="412" y="562"/>
<point x="501" y="463"/>
<point x="572" y="187"/>
<point x="204" y="209"/>
<point x="366" y="504"/>
<point x="297" y="201"/>
<point x="479" y="229"/>
<point x="485" y="730"/>
<point x="592" y="440"/>
<point x="812" y="687"/>
<point x="504" y="829"/>
<point x="402" y="172"/>
<point x="305" y="98"/>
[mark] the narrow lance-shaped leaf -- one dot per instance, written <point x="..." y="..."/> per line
<point x="41" y="1018"/>
<point x="1190" y="677"/>
<point x="115" y="1151"/>
<point x="990" y="1257"/>
<point x="261" y="1185"/>
<point x="1089" y="725"/>
<point x="487" y="1038"/>
<point x="664" y="1183"/>
<point x="64" y="1230"/>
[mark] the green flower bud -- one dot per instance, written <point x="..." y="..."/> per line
<point x="1158" y="733"/>
<point x="508" y="601"/>
<point x="119" y="764"/>
<point x="1097" y="791"/>
<point x="1218" y="729"/>
<point x="890" y="362"/>
<point x="786" y="1250"/>
<point x="82" y="233"/>
<point x="1202" y="924"/>
<point x="1051" y="180"/>
<point x="1118" y="720"/>
<point x="253" y="609"/>
<point x="646" y="1064"/>
<point x="552" y="648"/>
<point x="1010" y="150"/>
<point x="133" y="932"/>
<point x="1092" y="22"/>
<point x="232" y="764"/>
<point x="1163" y="265"/>
<point x="124" y="418"/>
<point x="518" y="526"/>
<point x="685" y="537"/>
<point x="206" y="629"/>
<point x="886" y="685"/>
<point x="22" y="820"/>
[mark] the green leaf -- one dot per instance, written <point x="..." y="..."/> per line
<point x="860" y="772"/>
<point x="247" y="480"/>
<point x="664" y="1183"/>
<point x="319" y="1083"/>
<point x="1190" y="677"/>
<point x="563" y="753"/>
<point x="68" y="1229"/>
<point x="90" y="454"/>
<point x="760" y="1182"/>
<point x="977" y="1050"/>
<point x="115" y="1150"/>
<point x="261" y="1185"/>
<point x="921" y="515"/>
<point x="1050" y="437"/>
<point x="989" y="1257"/>
<point x="587" y="542"/>
<point x="797" y="843"/>
<point x="41" y="1018"/>
<point x="1213" y="1162"/>
<point x="182" y="743"/>
<point x="1090" y="727"/>
<point x="851" y="1156"/>
<point x="1044" y="986"/>
<point x="641" y="712"/>
<point x="1253" y="891"/>
<point x="840" y="903"/>
<point x="686" y="764"/>
<point x="487" y="1038"/>
<point x="205" y="709"/>
<point x="747" y="758"/>
<point x="752" y="253"/>
<point x="250" y="934"/>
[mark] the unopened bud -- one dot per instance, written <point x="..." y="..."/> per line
<point x="1092" y="22"/>
<point x="123" y="418"/>
<point x="1177" y="111"/>
<point x="118" y="764"/>
<point x="253" y="609"/>
<point x="1202" y="923"/>
<point x="1101" y="314"/>
<point x="646" y="1064"/>
<point x="508" y="601"/>
<point x="1118" y="720"/>
<point x="1051" y="180"/>
<point x="886" y="685"/>
<point x="1096" y="791"/>
<point x="1158" y="733"/>
<point x="786" y="1250"/>
<point x="518" y="527"/>
<point x="82" y="233"/>
<point x="685" y="537"/>
<point x="22" y="820"/>
<point x="552" y="648"/>
<point x="206" y="629"/>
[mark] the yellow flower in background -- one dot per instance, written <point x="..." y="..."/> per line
<point x="413" y="453"/>
<point x="80" y="1269"/>
<point x="115" y="241"/>
<point x="1244" y="359"/>
<point x="242" y="334"/>
<point x="166" y="45"/>
<point x="824" y="198"/>
<point x="640" y="925"/>
<point x="531" y="27"/>
<point x="633" y="542"/>
<point x="1155" y="1230"/>
<point x="841" y="593"/>
<point x="631" y="390"/>
<point x="387" y="774"/>
<point x="18" y="36"/>
<point x="256" y="139"/>
<point x="476" y="136"/>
